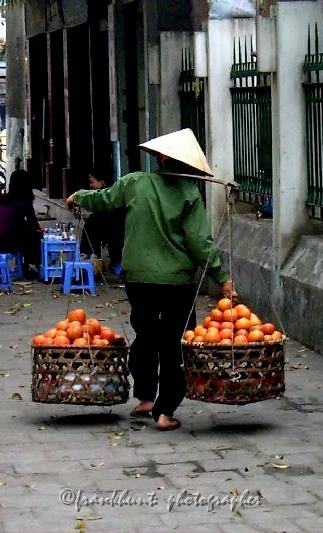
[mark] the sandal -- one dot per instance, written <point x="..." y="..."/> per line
<point x="140" y="411"/>
<point x="173" y="424"/>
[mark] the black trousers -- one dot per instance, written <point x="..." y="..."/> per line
<point x="158" y="316"/>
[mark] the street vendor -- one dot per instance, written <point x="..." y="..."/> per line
<point x="167" y="237"/>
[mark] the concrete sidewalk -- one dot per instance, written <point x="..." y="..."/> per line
<point x="256" y="468"/>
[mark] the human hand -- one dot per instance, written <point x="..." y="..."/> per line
<point x="69" y="201"/>
<point x="229" y="291"/>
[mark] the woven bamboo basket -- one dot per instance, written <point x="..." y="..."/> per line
<point x="96" y="376"/>
<point x="218" y="374"/>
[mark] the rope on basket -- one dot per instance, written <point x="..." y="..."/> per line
<point x="78" y="213"/>
<point x="229" y="188"/>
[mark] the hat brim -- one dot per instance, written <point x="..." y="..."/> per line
<point x="181" y="146"/>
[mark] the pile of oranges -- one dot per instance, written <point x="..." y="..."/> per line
<point x="77" y="330"/>
<point x="233" y="324"/>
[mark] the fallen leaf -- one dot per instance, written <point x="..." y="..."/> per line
<point x="90" y="517"/>
<point x="16" y="396"/>
<point x="31" y="486"/>
<point x="41" y="428"/>
<point x="280" y="466"/>
<point x="2" y="483"/>
<point x="98" y="465"/>
<point x="80" y="526"/>
<point x="138" y="426"/>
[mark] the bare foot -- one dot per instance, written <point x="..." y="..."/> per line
<point x="144" y="408"/>
<point x="167" y="423"/>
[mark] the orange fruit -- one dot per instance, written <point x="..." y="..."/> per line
<point x="87" y="337"/>
<point x="198" y="338"/>
<point x="61" y="340"/>
<point x="80" y="341"/>
<point x="50" y="333"/>
<point x="206" y="321"/>
<point x="227" y="325"/>
<point x="101" y="343"/>
<point x="200" y="330"/>
<point x="189" y="335"/>
<point x="212" y="336"/>
<point x="230" y="315"/>
<point x="109" y="334"/>
<point x="276" y="336"/>
<point x="61" y="332"/>
<point x="243" y="332"/>
<point x="226" y="333"/>
<point x="74" y="330"/>
<point x="223" y="304"/>
<point x="267" y="339"/>
<point x="268" y="328"/>
<point x="258" y="326"/>
<point x="214" y="324"/>
<point x="226" y="341"/>
<point x="62" y="324"/>
<point x="216" y="315"/>
<point x="240" y="339"/>
<point x="243" y="311"/>
<point x="92" y="326"/>
<point x="242" y="323"/>
<point x="49" y="341"/>
<point x="39" y="340"/>
<point x="76" y="314"/>
<point x="254" y="320"/>
<point x="256" y="336"/>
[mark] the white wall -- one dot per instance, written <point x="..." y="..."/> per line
<point x="220" y="36"/>
<point x="290" y="166"/>
<point x="171" y="46"/>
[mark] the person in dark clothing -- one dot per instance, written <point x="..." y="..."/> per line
<point x="20" y="231"/>
<point x="167" y="237"/>
<point x="103" y="228"/>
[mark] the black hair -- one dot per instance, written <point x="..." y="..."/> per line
<point x="97" y="174"/>
<point x="20" y="186"/>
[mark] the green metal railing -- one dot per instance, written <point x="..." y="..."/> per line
<point x="313" y="88"/>
<point x="252" y="129"/>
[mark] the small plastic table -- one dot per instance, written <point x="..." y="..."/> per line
<point x="53" y="255"/>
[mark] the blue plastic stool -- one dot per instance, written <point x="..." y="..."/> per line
<point x="5" y="281"/>
<point x="78" y="270"/>
<point x="14" y="264"/>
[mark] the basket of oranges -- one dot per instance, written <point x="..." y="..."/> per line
<point x="232" y="357"/>
<point x="79" y="361"/>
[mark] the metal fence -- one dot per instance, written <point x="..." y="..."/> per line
<point x="252" y="129"/>
<point x="192" y="103"/>
<point x="313" y="88"/>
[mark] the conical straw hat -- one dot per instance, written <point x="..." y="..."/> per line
<point x="182" y="146"/>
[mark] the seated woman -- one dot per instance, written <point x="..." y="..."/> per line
<point x="20" y="231"/>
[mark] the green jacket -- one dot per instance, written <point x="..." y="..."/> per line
<point x="167" y="235"/>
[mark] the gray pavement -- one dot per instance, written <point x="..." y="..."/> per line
<point x="228" y="469"/>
